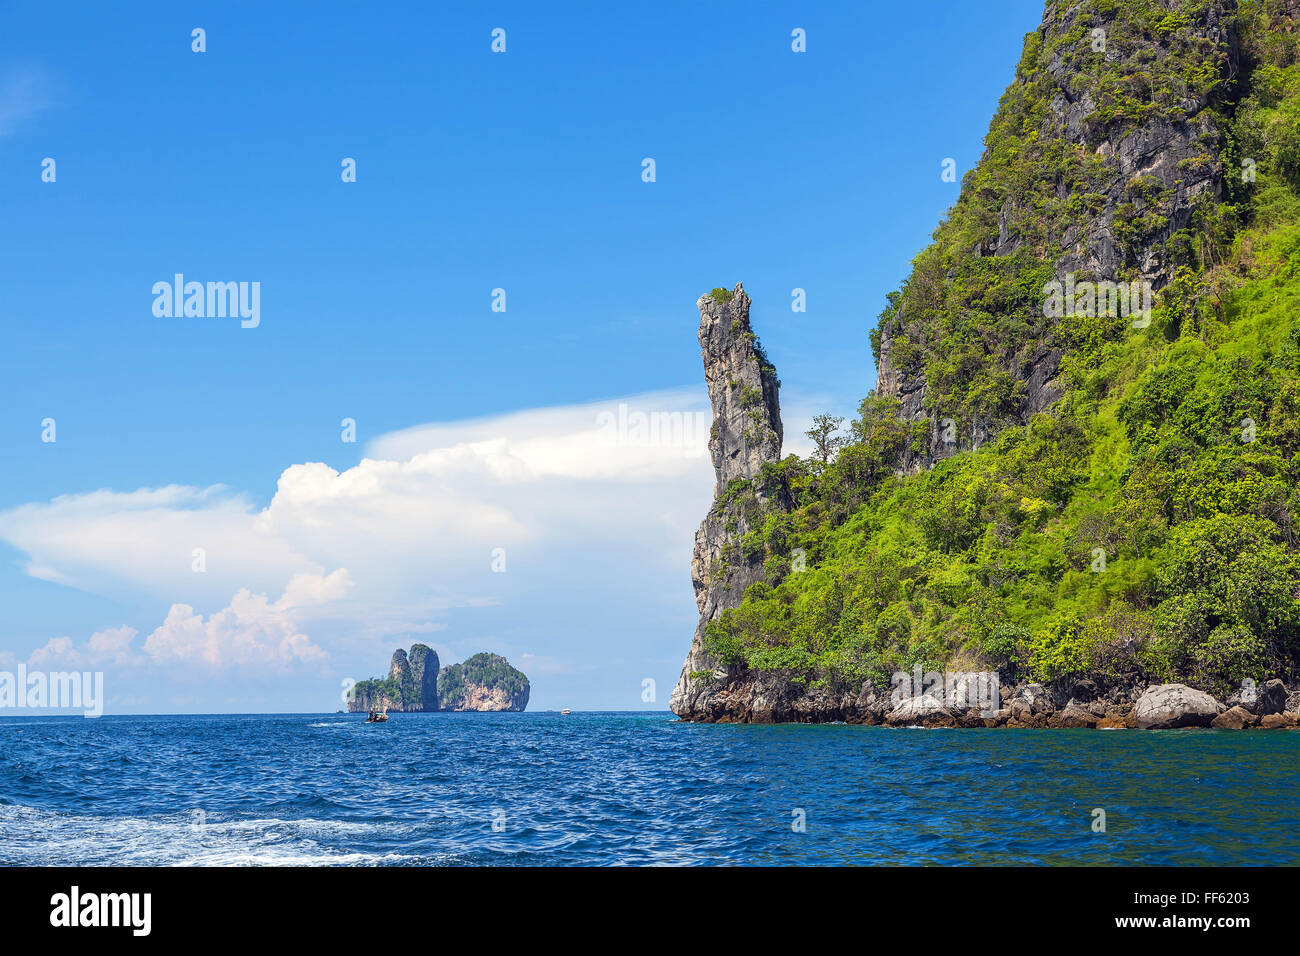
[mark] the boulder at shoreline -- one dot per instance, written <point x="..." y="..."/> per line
<point x="1169" y="706"/>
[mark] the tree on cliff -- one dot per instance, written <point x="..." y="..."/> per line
<point x="825" y="442"/>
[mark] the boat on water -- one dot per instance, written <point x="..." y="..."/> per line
<point x="565" y="712"/>
<point x="377" y="718"/>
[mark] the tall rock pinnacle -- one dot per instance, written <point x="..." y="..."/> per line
<point x="424" y="675"/>
<point x="746" y="435"/>
<point x="742" y="387"/>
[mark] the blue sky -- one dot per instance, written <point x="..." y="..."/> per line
<point x="475" y="171"/>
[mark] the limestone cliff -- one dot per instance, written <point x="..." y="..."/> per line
<point x="416" y="684"/>
<point x="411" y="684"/>
<point x="1098" y="160"/>
<point x="484" y="682"/>
<point x="746" y="435"/>
<point x="424" y="674"/>
<point x="745" y="440"/>
<point x="1122" y="161"/>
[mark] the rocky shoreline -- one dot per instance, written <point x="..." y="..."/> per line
<point x="1076" y="705"/>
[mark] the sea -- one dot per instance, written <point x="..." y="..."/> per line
<point x="601" y="789"/>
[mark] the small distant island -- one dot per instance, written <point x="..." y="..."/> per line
<point x="415" y="684"/>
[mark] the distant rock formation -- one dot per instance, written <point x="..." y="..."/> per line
<point x="416" y="684"/>
<point x="485" y="682"/>
<point x="411" y="684"/>
<point x="424" y="674"/>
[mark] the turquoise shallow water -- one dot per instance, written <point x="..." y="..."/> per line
<point x="598" y="789"/>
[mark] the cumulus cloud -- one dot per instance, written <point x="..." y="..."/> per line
<point x="56" y="651"/>
<point x="417" y="522"/>
<point x="250" y="632"/>
<point x="597" y="497"/>
<point x="112" y="646"/>
<point x="653" y="436"/>
<point x="110" y="542"/>
<point x="104" y="648"/>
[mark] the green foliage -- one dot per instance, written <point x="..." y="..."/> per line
<point x="488" y="670"/>
<point x="1065" y="646"/>
<point x="1146" y="524"/>
<point x="379" y="691"/>
<point x="972" y="307"/>
<point x="1005" y="646"/>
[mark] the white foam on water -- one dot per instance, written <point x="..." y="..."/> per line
<point x="34" y="837"/>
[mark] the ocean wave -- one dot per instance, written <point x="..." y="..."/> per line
<point x="35" y="836"/>
<point x="626" y="790"/>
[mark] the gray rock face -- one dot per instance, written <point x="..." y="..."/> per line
<point x="1038" y="697"/>
<point x="916" y="710"/>
<point x="1172" y="162"/>
<point x="399" y="669"/>
<point x="410" y="687"/>
<point x="1166" y="706"/>
<point x="424" y="674"/>
<point x="742" y="389"/>
<point x="746" y="435"/>
<point x="1157" y="150"/>
<point x="1270" y="699"/>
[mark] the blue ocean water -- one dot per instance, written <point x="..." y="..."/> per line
<point x="598" y="789"/>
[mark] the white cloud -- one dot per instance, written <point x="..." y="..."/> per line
<point x="652" y="436"/>
<point x="107" y="647"/>
<point x="601" y="496"/>
<point x="415" y="522"/>
<point x="58" y="651"/>
<point x="110" y="543"/>
<point x="113" y="645"/>
<point x="250" y="632"/>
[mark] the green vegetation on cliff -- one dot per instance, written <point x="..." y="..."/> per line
<point x="382" y="690"/>
<point x="409" y="686"/>
<point x="490" y="671"/>
<point x="973" y="318"/>
<point x="1145" y="522"/>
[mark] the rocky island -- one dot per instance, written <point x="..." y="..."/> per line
<point x="415" y="684"/>
<point x="483" y="682"/>
<point x="1075" y="481"/>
